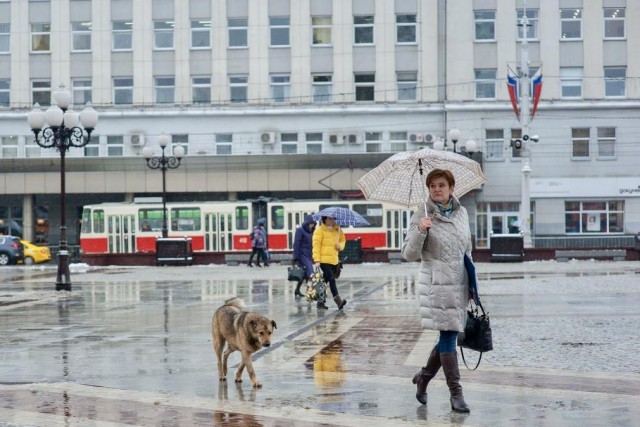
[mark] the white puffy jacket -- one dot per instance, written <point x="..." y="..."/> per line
<point x="443" y="284"/>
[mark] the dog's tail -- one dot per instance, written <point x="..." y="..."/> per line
<point x="235" y="302"/>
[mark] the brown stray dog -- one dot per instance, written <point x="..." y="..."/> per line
<point x="244" y="331"/>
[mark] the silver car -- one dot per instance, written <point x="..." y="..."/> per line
<point x="11" y="250"/>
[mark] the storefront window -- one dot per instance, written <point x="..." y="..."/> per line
<point x="594" y="217"/>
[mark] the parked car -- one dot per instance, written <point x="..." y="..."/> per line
<point x="11" y="250"/>
<point x="34" y="254"/>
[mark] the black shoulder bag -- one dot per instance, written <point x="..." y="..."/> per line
<point x="477" y="332"/>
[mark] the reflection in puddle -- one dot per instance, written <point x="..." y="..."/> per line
<point x="328" y="368"/>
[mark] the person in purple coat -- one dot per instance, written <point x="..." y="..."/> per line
<point x="302" y="253"/>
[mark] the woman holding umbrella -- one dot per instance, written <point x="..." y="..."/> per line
<point x="440" y="238"/>
<point x="328" y="240"/>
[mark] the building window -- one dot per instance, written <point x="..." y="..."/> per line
<point x="494" y="140"/>
<point x="80" y="91"/>
<point x="92" y="149"/>
<point x="485" y="25"/>
<point x="182" y="140"/>
<point x="9" y="146"/>
<point x="81" y="36"/>
<point x="123" y="91"/>
<point x="321" y="30"/>
<point x="406" y="29"/>
<point x="31" y="149"/>
<point x="5" y="37"/>
<point x="201" y="90"/>
<point x="532" y="28"/>
<point x="580" y="143"/>
<point x="165" y="89"/>
<point x="363" y="29"/>
<point x="407" y="86"/>
<point x="365" y="87"/>
<point x="237" y="32"/>
<point x="615" y="82"/>
<point x="200" y="34"/>
<point x="40" y="37"/>
<point x="280" y="88"/>
<point x="614" y="23"/>
<point x="224" y="143"/>
<point x="163" y="35"/>
<point x="485" y="84"/>
<point x="289" y="143"/>
<point x="238" y="86"/>
<point x="5" y="92"/>
<point x="322" y="88"/>
<point x="606" y="142"/>
<point x="601" y="217"/>
<point x="571" y="82"/>
<point x="122" y="33"/>
<point x="41" y="92"/>
<point x="279" y="31"/>
<point x="313" y="142"/>
<point x="516" y="134"/>
<point x="373" y="142"/>
<point x="398" y="141"/>
<point x="115" y="145"/>
<point x="571" y="24"/>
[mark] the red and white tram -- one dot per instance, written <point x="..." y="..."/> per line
<point x="225" y="226"/>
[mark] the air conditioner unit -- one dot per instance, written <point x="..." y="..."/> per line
<point x="352" y="138"/>
<point x="336" y="139"/>
<point x="268" y="137"/>
<point x="136" y="139"/>
<point x="416" y="138"/>
<point x="428" y="137"/>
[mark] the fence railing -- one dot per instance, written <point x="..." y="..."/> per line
<point x="583" y="242"/>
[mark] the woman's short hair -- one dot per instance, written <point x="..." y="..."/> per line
<point x="441" y="173"/>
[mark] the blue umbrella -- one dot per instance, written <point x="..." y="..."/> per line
<point x="343" y="216"/>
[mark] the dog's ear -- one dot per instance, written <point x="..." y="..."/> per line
<point x="253" y="324"/>
<point x="273" y="323"/>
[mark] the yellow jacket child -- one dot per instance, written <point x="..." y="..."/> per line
<point x="327" y="242"/>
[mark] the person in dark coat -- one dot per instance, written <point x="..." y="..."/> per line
<point x="302" y="253"/>
<point x="258" y="243"/>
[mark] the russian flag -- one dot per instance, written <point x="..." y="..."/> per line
<point x="512" y="87"/>
<point x="537" y="90"/>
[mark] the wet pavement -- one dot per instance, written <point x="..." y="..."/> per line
<point x="132" y="346"/>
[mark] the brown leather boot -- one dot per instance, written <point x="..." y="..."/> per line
<point x="452" y="374"/>
<point x="340" y="302"/>
<point x="422" y="378"/>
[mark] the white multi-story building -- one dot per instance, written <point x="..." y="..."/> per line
<point x="297" y="98"/>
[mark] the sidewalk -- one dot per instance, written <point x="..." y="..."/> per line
<point x="132" y="346"/>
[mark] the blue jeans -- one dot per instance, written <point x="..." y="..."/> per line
<point x="447" y="342"/>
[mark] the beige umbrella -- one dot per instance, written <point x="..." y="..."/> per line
<point x="401" y="178"/>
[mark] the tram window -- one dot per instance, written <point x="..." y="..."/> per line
<point x="86" y="221"/>
<point x="242" y="218"/>
<point x="150" y="219"/>
<point x="277" y="217"/>
<point x="98" y="221"/>
<point x="333" y="205"/>
<point x="185" y="219"/>
<point x="372" y="213"/>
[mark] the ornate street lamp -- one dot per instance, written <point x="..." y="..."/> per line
<point x="454" y="135"/>
<point x="63" y="132"/>
<point x="163" y="163"/>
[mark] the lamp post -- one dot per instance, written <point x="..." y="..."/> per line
<point x="454" y="135"/>
<point x="59" y="128"/>
<point x="525" y="202"/>
<point x="163" y="163"/>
